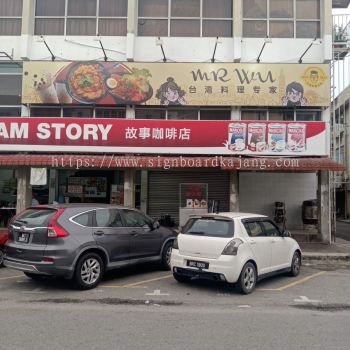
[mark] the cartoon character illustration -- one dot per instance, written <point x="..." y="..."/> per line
<point x="294" y="95"/>
<point x="170" y="94"/>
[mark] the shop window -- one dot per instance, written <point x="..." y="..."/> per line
<point x="11" y="84"/>
<point x="253" y="115"/>
<point x="281" y="29"/>
<point x="148" y="113"/>
<point x="281" y="18"/>
<point x="8" y="195"/>
<point x="10" y="111"/>
<point x="182" y="114"/>
<point x="115" y="113"/>
<point x="215" y="114"/>
<point x="45" y="112"/>
<point x="308" y="115"/>
<point x="77" y="112"/>
<point x="185" y="18"/>
<point x="10" y="17"/>
<point x="281" y="114"/>
<point x="81" y="17"/>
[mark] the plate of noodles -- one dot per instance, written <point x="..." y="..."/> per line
<point x="86" y="82"/>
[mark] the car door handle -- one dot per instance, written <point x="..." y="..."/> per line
<point x="99" y="233"/>
<point x="134" y="233"/>
<point x="252" y="242"/>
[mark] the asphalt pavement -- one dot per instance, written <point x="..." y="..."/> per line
<point x="145" y="308"/>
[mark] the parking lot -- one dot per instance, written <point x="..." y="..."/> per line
<point x="144" y="307"/>
<point x="148" y="284"/>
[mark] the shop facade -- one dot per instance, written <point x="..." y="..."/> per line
<point x="94" y="108"/>
<point x="201" y="166"/>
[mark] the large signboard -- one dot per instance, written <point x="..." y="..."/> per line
<point x="176" y="84"/>
<point x="163" y="136"/>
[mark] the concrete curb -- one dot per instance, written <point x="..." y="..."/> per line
<point x="326" y="256"/>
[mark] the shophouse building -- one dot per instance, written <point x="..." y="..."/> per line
<point x="173" y="106"/>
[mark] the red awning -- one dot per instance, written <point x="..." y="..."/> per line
<point x="95" y="162"/>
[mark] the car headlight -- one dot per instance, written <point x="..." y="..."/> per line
<point x="232" y="247"/>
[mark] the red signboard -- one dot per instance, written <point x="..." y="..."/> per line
<point x="163" y="136"/>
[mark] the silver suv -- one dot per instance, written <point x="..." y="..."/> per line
<point x="82" y="241"/>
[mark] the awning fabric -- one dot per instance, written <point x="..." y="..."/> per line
<point x="95" y="162"/>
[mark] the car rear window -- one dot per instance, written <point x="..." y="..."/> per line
<point x="35" y="217"/>
<point x="212" y="227"/>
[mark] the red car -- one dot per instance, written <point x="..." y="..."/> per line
<point x="3" y="240"/>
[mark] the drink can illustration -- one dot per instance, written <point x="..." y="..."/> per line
<point x="276" y="135"/>
<point x="257" y="137"/>
<point x="296" y="137"/>
<point x="237" y="136"/>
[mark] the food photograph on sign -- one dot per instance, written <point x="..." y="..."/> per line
<point x="176" y="84"/>
<point x="90" y="83"/>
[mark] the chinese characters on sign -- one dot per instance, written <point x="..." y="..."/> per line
<point x="163" y="136"/>
<point x="157" y="133"/>
<point x="176" y="84"/>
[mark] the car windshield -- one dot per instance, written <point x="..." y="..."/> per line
<point x="212" y="227"/>
<point x="35" y="217"/>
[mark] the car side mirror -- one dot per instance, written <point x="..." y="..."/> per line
<point x="156" y="225"/>
<point x="286" y="233"/>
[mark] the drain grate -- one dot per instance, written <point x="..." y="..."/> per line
<point x="323" y="307"/>
<point x="109" y="301"/>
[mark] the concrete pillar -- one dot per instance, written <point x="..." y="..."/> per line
<point x="130" y="112"/>
<point x="24" y="189"/>
<point x="327" y="27"/>
<point x="324" y="210"/>
<point x="131" y="29"/>
<point x="347" y="156"/>
<point x="234" y="198"/>
<point x="129" y="188"/>
<point x="25" y="111"/>
<point x="144" y="190"/>
<point x="53" y="185"/>
<point x="28" y="15"/>
<point x="237" y="29"/>
<point x="235" y="113"/>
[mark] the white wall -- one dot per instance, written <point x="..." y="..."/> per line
<point x="285" y="50"/>
<point x="259" y="191"/>
<point x="176" y="49"/>
<point x="73" y="48"/>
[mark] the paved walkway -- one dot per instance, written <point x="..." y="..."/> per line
<point x="339" y="250"/>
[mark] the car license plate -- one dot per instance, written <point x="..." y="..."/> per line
<point x="198" y="264"/>
<point x="23" y="237"/>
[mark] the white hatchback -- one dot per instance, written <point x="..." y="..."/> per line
<point x="235" y="248"/>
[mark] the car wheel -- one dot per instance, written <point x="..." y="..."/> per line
<point x="247" y="279"/>
<point x="180" y="278"/>
<point x="166" y="256"/>
<point x="34" y="276"/>
<point x="89" y="271"/>
<point x="1" y="258"/>
<point x="295" y="266"/>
